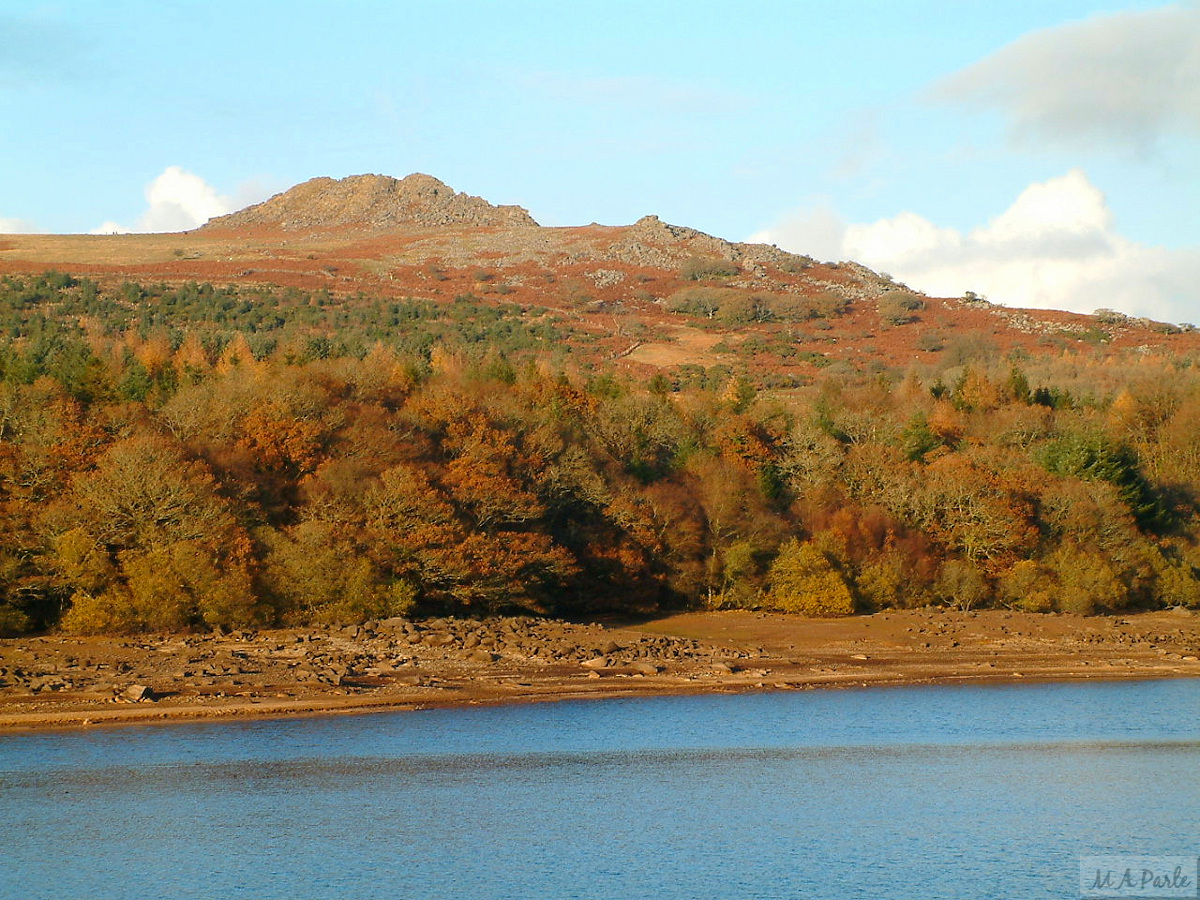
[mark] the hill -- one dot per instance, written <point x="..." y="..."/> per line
<point x="269" y="422"/>
<point x="650" y="296"/>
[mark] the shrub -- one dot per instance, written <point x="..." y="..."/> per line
<point x="12" y="621"/>
<point x="740" y="578"/>
<point x="731" y="306"/>
<point x="742" y="309"/>
<point x="1028" y="586"/>
<point x="899" y="307"/>
<point x="828" y="305"/>
<point x="700" y="268"/>
<point x="803" y="580"/>
<point x="699" y="301"/>
<point x="1086" y="582"/>
<point x="960" y="584"/>
<point x="881" y="582"/>
<point x="1177" y="586"/>
<point x="930" y="342"/>
<point x="106" y="613"/>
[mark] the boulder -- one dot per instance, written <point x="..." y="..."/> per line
<point x="138" y="693"/>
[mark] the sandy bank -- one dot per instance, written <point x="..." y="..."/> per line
<point x="55" y="682"/>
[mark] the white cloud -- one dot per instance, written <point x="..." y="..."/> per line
<point x="111" y="227"/>
<point x="178" y="201"/>
<point x="1125" y="79"/>
<point x="16" y="226"/>
<point x="1055" y="247"/>
<point x="907" y="236"/>
<point x="816" y="230"/>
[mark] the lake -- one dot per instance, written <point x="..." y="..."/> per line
<point x="924" y="792"/>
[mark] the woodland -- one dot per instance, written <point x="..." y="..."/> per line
<point x="197" y="457"/>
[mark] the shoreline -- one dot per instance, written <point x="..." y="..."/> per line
<point x="26" y="723"/>
<point x="68" y="683"/>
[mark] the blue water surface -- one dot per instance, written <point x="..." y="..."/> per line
<point x="929" y="792"/>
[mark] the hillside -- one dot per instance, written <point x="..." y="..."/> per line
<point x="269" y="424"/>
<point x="651" y="296"/>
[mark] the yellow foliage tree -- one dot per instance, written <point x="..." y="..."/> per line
<point x="318" y="578"/>
<point x="803" y="580"/>
<point x="1086" y="581"/>
<point x="155" y="546"/>
<point x="1028" y="585"/>
<point x="888" y="580"/>
<point x="103" y="613"/>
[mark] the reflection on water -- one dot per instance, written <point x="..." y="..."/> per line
<point x="904" y="793"/>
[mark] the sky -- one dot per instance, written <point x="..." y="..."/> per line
<point x="1041" y="153"/>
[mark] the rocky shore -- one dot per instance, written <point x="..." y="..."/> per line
<point x="63" y="681"/>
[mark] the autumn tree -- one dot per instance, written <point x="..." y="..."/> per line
<point x="154" y="545"/>
<point x="802" y="580"/>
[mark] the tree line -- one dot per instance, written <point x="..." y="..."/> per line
<point x="378" y="458"/>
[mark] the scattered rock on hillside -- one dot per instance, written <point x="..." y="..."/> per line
<point x="652" y="242"/>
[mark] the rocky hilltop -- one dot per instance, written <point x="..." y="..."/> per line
<point x="373" y="202"/>
<point x="381" y="203"/>
<point x="650" y="295"/>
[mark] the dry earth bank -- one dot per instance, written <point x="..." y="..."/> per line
<point x="58" y="681"/>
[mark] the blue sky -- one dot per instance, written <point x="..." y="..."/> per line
<point x="1041" y="153"/>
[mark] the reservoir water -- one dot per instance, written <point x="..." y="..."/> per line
<point x="930" y="792"/>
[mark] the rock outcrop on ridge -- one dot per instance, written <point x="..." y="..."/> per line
<point x="375" y="202"/>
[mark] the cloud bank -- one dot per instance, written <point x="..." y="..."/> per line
<point x="1055" y="247"/>
<point x="1123" y="80"/>
<point x="177" y="200"/>
<point x="16" y="226"/>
